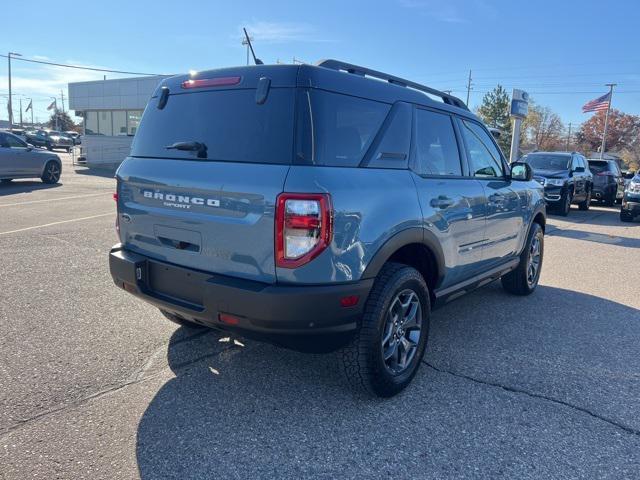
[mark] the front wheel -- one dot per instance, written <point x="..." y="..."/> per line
<point x="565" y="204"/>
<point x="524" y="279"/>
<point x="386" y="351"/>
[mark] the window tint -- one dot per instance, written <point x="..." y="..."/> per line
<point x="436" y="147"/>
<point x="229" y="123"/>
<point x="335" y="129"/>
<point x="484" y="155"/>
<point x="14" y="142"/>
<point x="598" y="166"/>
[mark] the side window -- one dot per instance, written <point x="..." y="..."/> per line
<point x="13" y="142"/>
<point x="436" y="147"/>
<point x="3" y="141"/>
<point x="485" y="157"/>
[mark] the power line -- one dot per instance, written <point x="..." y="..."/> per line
<point x="80" y="67"/>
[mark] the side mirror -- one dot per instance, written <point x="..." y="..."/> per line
<point x="521" y="171"/>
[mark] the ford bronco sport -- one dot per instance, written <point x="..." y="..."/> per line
<point x="320" y="202"/>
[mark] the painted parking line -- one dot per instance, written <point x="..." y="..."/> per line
<point x="113" y="214"/>
<point x="105" y="194"/>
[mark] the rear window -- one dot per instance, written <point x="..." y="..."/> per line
<point x="230" y="123"/>
<point x="335" y="129"/>
<point x="598" y="166"/>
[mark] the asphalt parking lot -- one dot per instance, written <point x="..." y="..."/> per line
<point x="95" y="384"/>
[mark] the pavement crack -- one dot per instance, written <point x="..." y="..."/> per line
<point x="539" y="396"/>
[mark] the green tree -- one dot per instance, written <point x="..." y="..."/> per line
<point x="64" y="121"/>
<point x="494" y="111"/>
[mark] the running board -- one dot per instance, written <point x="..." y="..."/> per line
<point x="445" y="295"/>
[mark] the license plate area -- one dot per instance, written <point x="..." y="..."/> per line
<point x="182" y="285"/>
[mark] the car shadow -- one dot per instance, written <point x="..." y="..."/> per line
<point x="244" y="409"/>
<point x="25" y="186"/>
<point x="596" y="237"/>
<point x="95" y="172"/>
<point x="602" y="216"/>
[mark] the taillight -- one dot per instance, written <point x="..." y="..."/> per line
<point x="303" y="227"/>
<point x="211" y="82"/>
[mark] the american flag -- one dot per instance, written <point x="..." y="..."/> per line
<point x="597" y="105"/>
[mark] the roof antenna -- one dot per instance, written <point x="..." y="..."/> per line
<point x="257" y="61"/>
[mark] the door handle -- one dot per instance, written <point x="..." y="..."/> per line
<point x="441" y="201"/>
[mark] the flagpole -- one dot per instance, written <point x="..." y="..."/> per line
<point x="606" y="119"/>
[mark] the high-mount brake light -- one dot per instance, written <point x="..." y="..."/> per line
<point x="211" y="82"/>
<point x="304" y="227"/>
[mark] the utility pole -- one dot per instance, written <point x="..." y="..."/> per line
<point x="21" y="125"/>
<point x="606" y="119"/>
<point x="62" y="97"/>
<point x="568" y="137"/>
<point x="10" y="106"/>
<point x="468" y="87"/>
<point x="55" y="110"/>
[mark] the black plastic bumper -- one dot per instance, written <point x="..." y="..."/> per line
<point x="254" y="306"/>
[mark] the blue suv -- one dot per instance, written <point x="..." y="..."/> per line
<point x="321" y="207"/>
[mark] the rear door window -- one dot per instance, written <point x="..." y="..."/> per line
<point x="232" y="126"/>
<point x="436" y="148"/>
<point x="334" y="129"/>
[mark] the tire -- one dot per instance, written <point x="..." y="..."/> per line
<point x="49" y="147"/>
<point x="51" y="173"/>
<point x="181" y="321"/>
<point x="565" y="204"/>
<point x="625" y="216"/>
<point x="520" y="281"/>
<point x="586" y="203"/>
<point x="398" y="289"/>
<point x="6" y="180"/>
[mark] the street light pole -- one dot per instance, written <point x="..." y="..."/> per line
<point x="10" y="102"/>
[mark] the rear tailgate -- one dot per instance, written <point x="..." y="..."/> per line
<point x="210" y="208"/>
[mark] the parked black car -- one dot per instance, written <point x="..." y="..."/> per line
<point x="631" y="200"/>
<point x="566" y="179"/>
<point x="608" y="182"/>
<point x="49" y="139"/>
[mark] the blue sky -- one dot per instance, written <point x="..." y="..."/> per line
<point x="562" y="52"/>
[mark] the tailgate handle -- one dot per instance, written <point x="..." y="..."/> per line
<point x="179" y="244"/>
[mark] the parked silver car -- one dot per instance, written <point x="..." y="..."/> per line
<point x="20" y="160"/>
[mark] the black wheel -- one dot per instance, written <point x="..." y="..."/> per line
<point x="51" y="172"/>
<point x="524" y="279"/>
<point x="565" y="204"/>
<point x="586" y="203"/>
<point x="180" y="321"/>
<point x="386" y="351"/>
<point x="625" y="216"/>
<point x="49" y="146"/>
<point x="6" y="180"/>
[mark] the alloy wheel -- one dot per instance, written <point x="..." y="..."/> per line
<point x="53" y="172"/>
<point x="402" y="331"/>
<point x="534" y="260"/>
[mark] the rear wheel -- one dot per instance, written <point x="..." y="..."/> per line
<point x="586" y="203"/>
<point x="51" y="172"/>
<point x="610" y="200"/>
<point x="386" y="351"/>
<point x="524" y="279"/>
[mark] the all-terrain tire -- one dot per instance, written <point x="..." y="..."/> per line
<point x="518" y="281"/>
<point x="362" y="359"/>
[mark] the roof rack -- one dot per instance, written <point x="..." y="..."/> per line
<point x="363" y="71"/>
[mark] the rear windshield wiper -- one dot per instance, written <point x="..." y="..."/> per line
<point x="198" y="147"/>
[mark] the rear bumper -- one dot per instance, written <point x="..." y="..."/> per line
<point x="254" y="306"/>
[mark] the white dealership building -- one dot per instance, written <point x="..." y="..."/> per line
<point x="111" y="110"/>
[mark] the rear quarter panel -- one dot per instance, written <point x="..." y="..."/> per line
<point x="370" y="206"/>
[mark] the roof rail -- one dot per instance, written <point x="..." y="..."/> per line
<point x="363" y="71"/>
